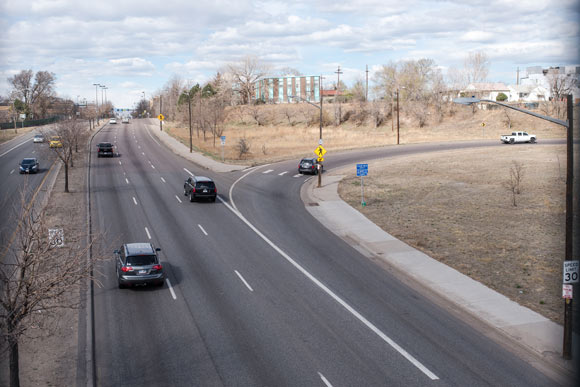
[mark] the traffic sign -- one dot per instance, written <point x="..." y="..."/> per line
<point x="320" y="151"/>
<point x="571" y="272"/>
<point x="223" y="138"/>
<point x="567" y="290"/>
<point x="320" y="159"/>
<point x="161" y="117"/>
<point x="320" y="142"/>
<point x="362" y="169"/>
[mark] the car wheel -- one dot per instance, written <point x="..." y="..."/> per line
<point x="184" y="192"/>
<point x="191" y="197"/>
<point x="533" y="140"/>
<point x="512" y="140"/>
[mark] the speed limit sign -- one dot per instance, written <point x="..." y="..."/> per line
<point x="571" y="271"/>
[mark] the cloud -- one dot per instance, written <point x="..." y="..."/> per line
<point x="131" y="66"/>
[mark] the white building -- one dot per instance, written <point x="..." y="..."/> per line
<point x="527" y="93"/>
<point x="486" y="90"/>
<point x="544" y="77"/>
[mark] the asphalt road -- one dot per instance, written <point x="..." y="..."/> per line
<point x="259" y="292"/>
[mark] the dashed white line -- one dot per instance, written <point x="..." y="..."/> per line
<point x="186" y="170"/>
<point x="33" y="151"/>
<point x="12" y="171"/>
<point x="163" y="180"/>
<point x="11" y="149"/>
<point x="324" y="380"/>
<point x="268" y="171"/>
<point x="178" y="199"/>
<point x="139" y="146"/>
<point x="120" y="163"/>
<point x="143" y="153"/>
<point x="244" y="281"/>
<point x="202" y="230"/>
<point x="298" y="175"/>
<point x="171" y="289"/>
<point x="134" y="200"/>
<point x="152" y="166"/>
<point x="283" y="173"/>
<point x="147" y="231"/>
<point x="127" y="180"/>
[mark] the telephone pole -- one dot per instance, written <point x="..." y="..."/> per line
<point x="367" y="86"/>
<point x="160" y="106"/>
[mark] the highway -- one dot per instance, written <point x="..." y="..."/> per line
<point x="258" y="292"/>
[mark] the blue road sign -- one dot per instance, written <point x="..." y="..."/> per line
<point x="362" y="169"/>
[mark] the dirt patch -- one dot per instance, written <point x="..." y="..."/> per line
<point x="455" y="207"/>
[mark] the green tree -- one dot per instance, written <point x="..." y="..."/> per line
<point x="501" y="97"/>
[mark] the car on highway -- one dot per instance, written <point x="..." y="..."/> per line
<point x="29" y="165"/>
<point x="113" y="121"/>
<point x="55" y="142"/>
<point x="38" y="138"/>
<point x="138" y="264"/>
<point x="200" y="187"/>
<point x="105" y="149"/>
<point x="517" y="137"/>
<point x="309" y="165"/>
<point x="125" y="120"/>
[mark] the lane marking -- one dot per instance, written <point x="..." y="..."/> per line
<point x="127" y="180"/>
<point x="298" y="175"/>
<point x="186" y="170"/>
<point x="334" y="296"/>
<point x="163" y="180"/>
<point x="139" y="146"/>
<point x="147" y="231"/>
<point x="268" y="171"/>
<point x="120" y="163"/>
<point x="324" y="380"/>
<point x="11" y="149"/>
<point x="283" y="173"/>
<point x="33" y="151"/>
<point x="150" y="135"/>
<point x="171" y="288"/>
<point x="202" y="230"/>
<point x="244" y="281"/>
<point x="231" y="192"/>
<point x="134" y="200"/>
<point x="152" y="166"/>
<point x="12" y="171"/>
<point x="143" y="153"/>
<point x="178" y="199"/>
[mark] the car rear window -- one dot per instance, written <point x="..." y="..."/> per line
<point x="205" y="184"/>
<point x="141" y="260"/>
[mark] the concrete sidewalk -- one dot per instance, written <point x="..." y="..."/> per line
<point x="521" y="324"/>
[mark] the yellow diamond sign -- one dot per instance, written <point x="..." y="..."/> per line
<point x="320" y="151"/>
<point x="161" y="117"/>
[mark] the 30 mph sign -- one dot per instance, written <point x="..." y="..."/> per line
<point x="571" y="271"/>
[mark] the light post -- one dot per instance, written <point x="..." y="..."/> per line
<point x="567" y="344"/>
<point x="97" y="101"/>
<point x="320" y="137"/>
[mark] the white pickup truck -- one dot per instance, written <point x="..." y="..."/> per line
<point x="518" y="137"/>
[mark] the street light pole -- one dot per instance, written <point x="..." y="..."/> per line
<point x="397" y="116"/>
<point x="567" y="342"/>
<point x="97" y="101"/>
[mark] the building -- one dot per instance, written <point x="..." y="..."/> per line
<point x="544" y="77"/>
<point x="485" y="90"/>
<point x="527" y="93"/>
<point x="279" y="89"/>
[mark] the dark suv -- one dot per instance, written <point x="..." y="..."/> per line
<point x="137" y="263"/>
<point x="105" y="149"/>
<point x="309" y="165"/>
<point x="200" y="187"/>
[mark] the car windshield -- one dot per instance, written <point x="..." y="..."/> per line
<point x="28" y="161"/>
<point x="105" y="146"/>
<point x="141" y="260"/>
<point x="205" y="184"/>
<point x="38" y="136"/>
<point x="306" y="162"/>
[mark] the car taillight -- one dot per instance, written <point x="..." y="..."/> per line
<point x="157" y="267"/>
<point x="215" y="190"/>
<point x="126" y="268"/>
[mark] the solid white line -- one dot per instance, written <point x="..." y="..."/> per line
<point x="163" y="180"/>
<point x="127" y="180"/>
<point x="150" y="135"/>
<point x="12" y="171"/>
<point x="324" y="380"/>
<point x="186" y="170"/>
<point x="298" y="175"/>
<point x="202" y="230"/>
<point x="171" y="289"/>
<point x="11" y="149"/>
<point x="268" y="171"/>
<point x="178" y="199"/>
<point x="250" y="170"/>
<point x="335" y="297"/>
<point x="244" y="281"/>
<point x="147" y="231"/>
<point x="134" y="200"/>
<point x="283" y="173"/>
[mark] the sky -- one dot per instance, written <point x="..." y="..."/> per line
<point x="136" y="46"/>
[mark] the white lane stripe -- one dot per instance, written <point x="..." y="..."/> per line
<point x="283" y="173"/>
<point x="163" y="180"/>
<point x="11" y="149"/>
<point x="134" y="200"/>
<point x="139" y="146"/>
<point x="202" y="230"/>
<point x="324" y="380"/>
<point x="268" y="171"/>
<point x="12" y="171"/>
<point x="152" y="166"/>
<point x="127" y="180"/>
<point x="150" y="135"/>
<point x="178" y="199"/>
<point x="120" y="163"/>
<point x="143" y="153"/>
<point x="171" y="289"/>
<point x="244" y="281"/>
<point x="186" y="170"/>
<point x="298" y="175"/>
<point x="147" y="231"/>
<point x="334" y="296"/>
<point x="33" y="151"/>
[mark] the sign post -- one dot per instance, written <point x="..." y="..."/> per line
<point x="320" y="151"/>
<point x="223" y="139"/>
<point x="362" y="170"/>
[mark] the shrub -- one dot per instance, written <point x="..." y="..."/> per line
<point x="501" y="97"/>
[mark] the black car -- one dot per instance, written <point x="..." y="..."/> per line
<point x="105" y="149"/>
<point x="138" y="263"/>
<point x="309" y="165"/>
<point x="29" y="165"/>
<point x="200" y="187"/>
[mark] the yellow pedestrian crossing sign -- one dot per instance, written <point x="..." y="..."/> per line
<point x="161" y="117"/>
<point x="320" y="159"/>
<point x="320" y="151"/>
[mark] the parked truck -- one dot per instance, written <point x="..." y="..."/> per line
<point x="518" y="137"/>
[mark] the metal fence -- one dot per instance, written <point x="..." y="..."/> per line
<point x="28" y="123"/>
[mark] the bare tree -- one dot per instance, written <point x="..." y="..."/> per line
<point x="560" y="86"/>
<point x="33" y="89"/>
<point x="37" y="279"/>
<point x="508" y="119"/>
<point x="70" y="133"/>
<point x="476" y="67"/>
<point x="245" y="73"/>
<point x="515" y="180"/>
<point x="243" y="147"/>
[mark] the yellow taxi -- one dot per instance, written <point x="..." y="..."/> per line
<point x="55" y="142"/>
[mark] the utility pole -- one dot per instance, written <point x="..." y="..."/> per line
<point x="397" y="116"/>
<point x="97" y="101"/>
<point x="160" y="107"/>
<point x="338" y="72"/>
<point x="190" y="132"/>
<point x="320" y="86"/>
<point x="367" y="86"/>
<point x="567" y="347"/>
